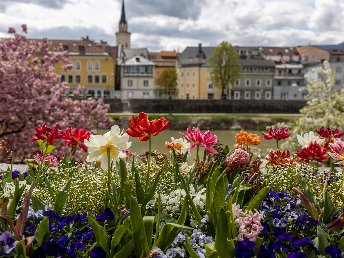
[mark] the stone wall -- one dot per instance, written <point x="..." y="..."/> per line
<point x="206" y="106"/>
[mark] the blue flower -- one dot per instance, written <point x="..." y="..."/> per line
<point x="302" y="242"/>
<point x="266" y="252"/>
<point x="107" y="214"/>
<point x="15" y="174"/>
<point x="333" y="251"/>
<point x="245" y="248"/>
<point x="88" y="234"/>
<point x="51" y="215"/>
<point x="97" y="253"/>
<point x="297" y="254"/>
<point x="64" y="241"/>
<point x="8" y="241"/>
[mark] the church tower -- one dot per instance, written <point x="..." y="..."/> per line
<point x="123" y="36"/>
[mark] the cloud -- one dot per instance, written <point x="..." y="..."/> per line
<point x="64" y="32"/>
<point x="55" y="4"/>
<point x="327" y="15"/>
<point x="182" y="9"/>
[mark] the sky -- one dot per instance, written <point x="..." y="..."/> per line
<point x="176" y="24"/>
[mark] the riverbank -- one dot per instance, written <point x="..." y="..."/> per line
<point x="257" y="122"/>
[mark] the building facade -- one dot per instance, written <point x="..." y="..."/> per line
<point x="92" y="67"/>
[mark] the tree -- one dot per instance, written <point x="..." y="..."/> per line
<point x="324" y="107"/>
<point x="168" y="81"/>
<point x="225" y="69"/>
<point x="31" y="94"/>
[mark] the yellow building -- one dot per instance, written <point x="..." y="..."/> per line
<point x="194" y="74"/>
<point x="93" y="66"/>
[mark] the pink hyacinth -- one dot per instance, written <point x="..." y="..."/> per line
<point x="49" y="160"/>
<point x="206" y="140"/>
<point x="238" y="159"/>
<point x="337" y="148"/>
<point x="249" y="226"/>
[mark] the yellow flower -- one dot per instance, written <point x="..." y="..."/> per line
<point x="114" y="141"/>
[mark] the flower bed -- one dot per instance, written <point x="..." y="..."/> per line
<point x="226" y="203"/>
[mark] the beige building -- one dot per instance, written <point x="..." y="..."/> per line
<point x="194" y="80"/>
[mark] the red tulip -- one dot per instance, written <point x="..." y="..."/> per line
<point x="277" y="157"/>
<point x="47" y="133"/>
<point x="76" y="138"/>
<point x="277" y="134"/>
<point x="143" y="128"/>
<point x="312" y="152"/>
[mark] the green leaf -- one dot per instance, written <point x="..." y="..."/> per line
<point x="100" y="234"/>
<point x="168" y="234"/>
<point x="117" y="236"/>
<point x="125" y="250"/>
<point x="191" y="251"/>
<point x="140" y="194"/>
<point x="42" y="231"/>
<point x="20" y="251"/>
<point x="329" y="208"/>
<point x="123" y="174"/>
<point x="138" y="229"/>
<point x="61" y="198"/>
<point x="341" y="243"/>
<point x="210" y="250"/>
<point x="321" y="242"/>
<point x="148" y="221"/>
<point x="259" y="242"/>
<point x="222" y="234"/>
<point x="37" y="203"/>
<point x="257" y="200"/>
<point x="16" y="196"/>
<point x="231" y="224"/>
<point x="152" y="189"/>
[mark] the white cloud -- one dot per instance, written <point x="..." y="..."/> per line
<point x="242" y="22"/>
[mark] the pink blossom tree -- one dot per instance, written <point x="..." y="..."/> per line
<point x="31" y="94"/>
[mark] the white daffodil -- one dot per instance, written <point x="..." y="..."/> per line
<point x="115" y="141"/>
<point x="306" y="139"/>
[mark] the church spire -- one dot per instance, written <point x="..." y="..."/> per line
<point x="123" y="36"/>
<point x="123" y="24"/>
<point x="123" y="19"/>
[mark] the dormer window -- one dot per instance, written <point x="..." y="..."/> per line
<point x="137" y="59"/>
<point x="82" y="49"/>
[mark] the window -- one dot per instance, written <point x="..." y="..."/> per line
<point x="96" y="66"/>
<point x="279" y="83"/>
<point x="145" y="83"/>
<point x="77" y="79"/>
<point x="210" y="95"/>
<point x="257" y="95"/>
<point x="237" y="83"/>
<point x="247" y="94"/>
<point x="182" y="74"/>
<point x="258" y="83"/>
<point x="90" y="93"/>
<point x="193" y="73"/>
<point x="182" y="85"/>
<point x="187" y="95"/>
<point x="70" y="78"/>
<point x="187" y="85"/>
<point x="268" y="95"/>
<point x="96" y="78"/>
<point x="268" y="82"/>
<point x="338" y="70"/>
<point x="106" y="94"/>
<point x="236" y="94"/>
<point x="210" y="86"/>
<point x="145" y="94"/>
<point x="63" y="78"/>
<point x="77" y="66"/>
<point x="193" y="85"/>
<point x="90" y="79"/>
<point x="193" y="96"/>
<point x="89" y="66"/>
<point x="130" y="83"/>
<point x="104" y="79"/>
<point x="130" y="94"/>
<point x="337" y="83"/>
<point x="248" y="82"/>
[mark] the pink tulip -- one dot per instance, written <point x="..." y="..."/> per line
<point x="337" y="148"/>
<point x="196" y="138"/>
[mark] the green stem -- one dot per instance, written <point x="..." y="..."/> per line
<point x="277" y="143"/>
<point x="108" y="176"/>
<point x="148" y="160"/>
<point x="197" y="156"/>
